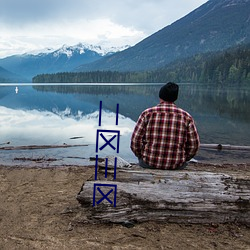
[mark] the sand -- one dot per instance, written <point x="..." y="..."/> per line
<point x="38" y="210"/>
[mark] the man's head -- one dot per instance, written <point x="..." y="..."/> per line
<point x="169" y="92"/>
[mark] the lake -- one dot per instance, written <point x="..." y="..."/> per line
<point x="60" y="114"/>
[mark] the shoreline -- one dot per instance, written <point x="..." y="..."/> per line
<point x="39" y="210"/>
<point x="194" y="166"/>
<point x="54" y="158"/>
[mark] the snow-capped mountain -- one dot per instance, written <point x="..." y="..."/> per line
<point x="49" y="60"/>
<point x="81" y="48"/>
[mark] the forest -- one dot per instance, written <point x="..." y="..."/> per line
<point x="231" y="66"/>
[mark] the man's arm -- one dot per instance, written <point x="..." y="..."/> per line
<point x="138" y="136"/>
<point x="193" y="141"/>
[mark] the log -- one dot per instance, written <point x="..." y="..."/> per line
<point x="29" y="147"/>
<point x="224" y="147"/>
<point x="167" y="196"/>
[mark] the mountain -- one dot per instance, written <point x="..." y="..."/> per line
<point x="214" y="26"/>
<point x="230" y="66"/>
<point x="63" y="59"/>
<point x="7" y="76"/>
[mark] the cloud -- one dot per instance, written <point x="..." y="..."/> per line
<point x="37" y="23"/>
<point x="38" y="36"/>
<point x="22" y="12"/>
<point x="142" y="14"/>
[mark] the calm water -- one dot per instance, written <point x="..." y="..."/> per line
<point x="59" y="114"/>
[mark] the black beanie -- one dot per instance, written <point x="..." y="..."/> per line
<point x="169" y="92"/>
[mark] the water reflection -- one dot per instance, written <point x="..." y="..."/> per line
<point x="225" y="101"/>
<point x="52" y="114"/>
<point x="230" y="102"/>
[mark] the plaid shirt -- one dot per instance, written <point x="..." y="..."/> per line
<point x="165" y="136"/>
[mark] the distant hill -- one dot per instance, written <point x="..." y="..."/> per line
<point x="8" y="77"/>
<point x="63" y="59"/>
<point x="216" y="25"/>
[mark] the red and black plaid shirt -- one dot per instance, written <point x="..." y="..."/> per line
<point x="165" y="136"/>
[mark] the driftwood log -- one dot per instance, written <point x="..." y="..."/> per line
<point x="224" y="147"/>
<point x="30" y="147"/>
<point x="167" y="196"/>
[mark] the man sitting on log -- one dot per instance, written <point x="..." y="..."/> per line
<point x="165" y="136"/>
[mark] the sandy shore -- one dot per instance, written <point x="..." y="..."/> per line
<point x="38" y="210"/>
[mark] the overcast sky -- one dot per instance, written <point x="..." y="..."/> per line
<point x="27" y="25"/>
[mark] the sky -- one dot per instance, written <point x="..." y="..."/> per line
<point x="32" y="25"/>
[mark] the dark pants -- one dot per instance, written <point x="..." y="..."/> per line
<point x="145" y="165"/>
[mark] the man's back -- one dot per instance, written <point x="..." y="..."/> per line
<point x="165" y="136"/>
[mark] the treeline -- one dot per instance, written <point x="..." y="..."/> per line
<point x="92" y="77"/>
<point x="231" y="66"/>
